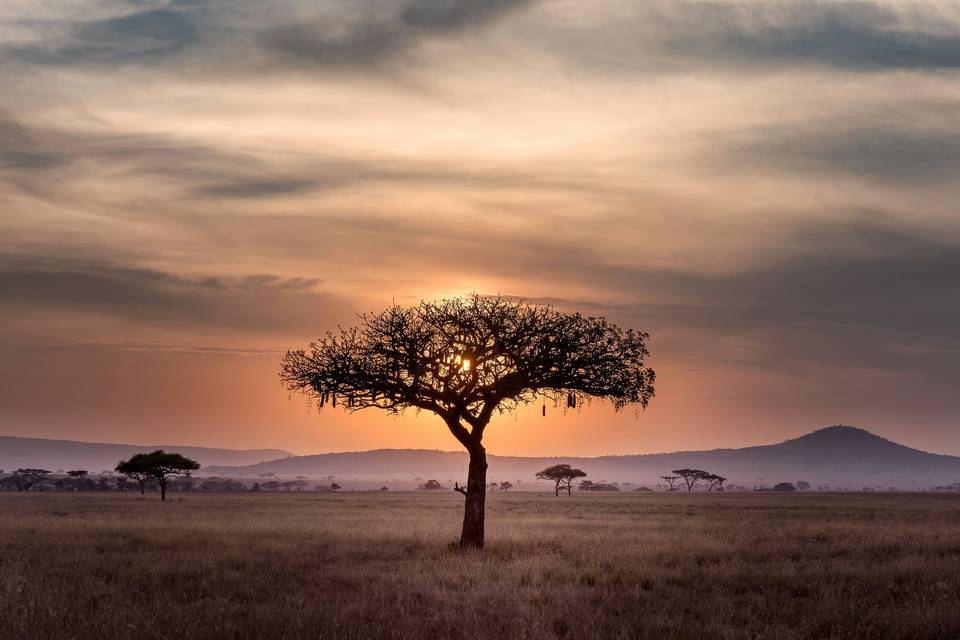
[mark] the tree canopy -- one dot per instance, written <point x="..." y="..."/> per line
<point x="561" y="475"/>
<point x="465" y="359"/>
<point x="158" y="466"/>
<point x="691" y="476"/>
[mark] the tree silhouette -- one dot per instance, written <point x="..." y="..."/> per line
<point x="466" y="359"/>
<point x="431" y="485"/>
<point x="714" y="481"/>
<point x="159" y="466"/>
<point x="506" y="485"/>
<point x="691" y="476"/>
<point x="671" y="480"/>
<point x="561" y="474"/>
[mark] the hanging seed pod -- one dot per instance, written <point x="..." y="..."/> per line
<point x="544" y="409"/>
<point x="334" y="394"/>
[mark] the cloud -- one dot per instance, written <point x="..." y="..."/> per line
<point x="864" y="294"/>
<point x="378" y="31"/>
<point x="886" y="153"/>
<point x="147" y="298"/>
<point x="141" y="36"/>
<point x="665" y="36"/>
<point x="850" y="35"/>
<point x="256" y="188"/>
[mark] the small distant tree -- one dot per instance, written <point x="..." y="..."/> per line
<point x="784" y="486"/>
<point x="431" y="485"/>
<point x="671" y="482"/>
<point x="293" y="485"/>
<point x="586" y="485"/>
<point x="802" y="485"/>
<point x="159" y="466"/>
<point x="691" y="476"/>
<point x="506" y="485"/>
<point x="714" y="482"/>
<point x="493" y="486"/>
<point x="562" y="475"/>
<point x="384" y="488"/>
<point x="335" y="487"/>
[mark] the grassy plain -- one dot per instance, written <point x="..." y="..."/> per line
<point x="371" y="565"/>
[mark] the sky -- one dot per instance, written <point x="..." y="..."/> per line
<point x="769" y="188"/>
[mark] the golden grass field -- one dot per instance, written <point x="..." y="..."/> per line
<point x="371" y="565"/>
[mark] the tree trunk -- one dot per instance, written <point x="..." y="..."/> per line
<point x="472" y="534"/>
<point x="163" y="490"/>
<point x="556" y="492"/>
<point x="143" y="491"/>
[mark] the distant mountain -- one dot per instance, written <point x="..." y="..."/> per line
<point x="839" y="456"/>
<point x="94" y="456"/>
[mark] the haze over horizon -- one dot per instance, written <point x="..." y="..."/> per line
<point x="189" y="188"/>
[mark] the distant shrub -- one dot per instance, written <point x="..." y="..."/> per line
<point x="784" y="486"/>
<point x="587" y="485"/>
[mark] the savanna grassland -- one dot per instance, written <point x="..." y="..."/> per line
<point x="371" y="565"/>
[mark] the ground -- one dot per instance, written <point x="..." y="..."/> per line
<point x="372" y="565"/>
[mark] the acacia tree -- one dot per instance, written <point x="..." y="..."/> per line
<point x="159" y="466"/>
<point x="467" y="359"/>
<point x="561" y="474"/>
<point x="671" y="480"/>
<point x="691" y="476"/>
<point x="714" y="481"/>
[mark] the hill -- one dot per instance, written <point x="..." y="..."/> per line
<point x="838" y="456"/>
<point x="95" y="456"/>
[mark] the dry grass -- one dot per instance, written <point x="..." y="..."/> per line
<point x="380" y="566"/>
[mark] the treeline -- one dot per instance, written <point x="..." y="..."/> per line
<point x="81" y="480"/>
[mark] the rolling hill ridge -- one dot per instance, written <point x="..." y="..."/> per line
<point x="838" y="456"/>
<point x="95" y="456"/>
